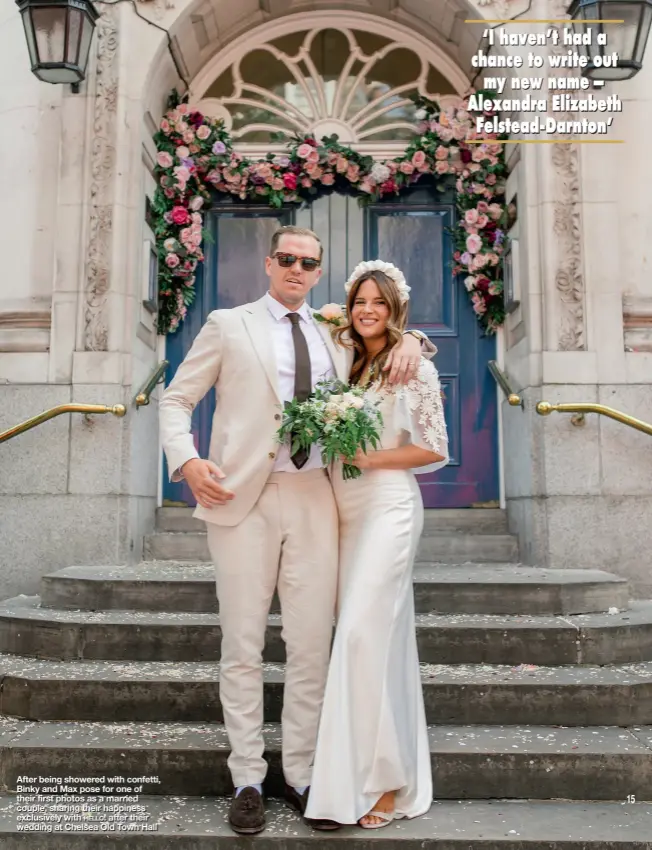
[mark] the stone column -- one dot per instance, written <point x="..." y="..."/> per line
<point x="579" y="495"/>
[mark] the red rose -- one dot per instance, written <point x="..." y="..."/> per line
<point x="482" y="283"/>
<point x="180" y="215"/>
<point x="311" y="141"/>
<point x="290" y="181"/>
<point x="465" y="155"/>
<point x="388" y="186"/>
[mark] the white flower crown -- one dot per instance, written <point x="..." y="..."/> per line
<point x="388" y="269"/>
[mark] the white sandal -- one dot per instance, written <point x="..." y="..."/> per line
<point x="385" y="817"/>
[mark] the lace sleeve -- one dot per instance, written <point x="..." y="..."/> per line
<point x="419" y="415"/>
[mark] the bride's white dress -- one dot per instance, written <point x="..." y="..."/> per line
<point x="373" y="736"/>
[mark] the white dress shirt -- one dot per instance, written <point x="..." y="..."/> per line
<point x="320" y="362"/>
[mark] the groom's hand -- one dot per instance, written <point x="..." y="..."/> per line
<point x="201" y="476"/>
<point x="403" y="360"/>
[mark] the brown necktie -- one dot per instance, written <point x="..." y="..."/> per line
<point x="302" y="377"/>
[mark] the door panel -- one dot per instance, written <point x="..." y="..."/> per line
<point x="414" y="234"/>
<point x="338" y="220"/>
<point x="232" y="274"/>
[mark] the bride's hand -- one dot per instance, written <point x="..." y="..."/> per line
<point x="361" y="460"/>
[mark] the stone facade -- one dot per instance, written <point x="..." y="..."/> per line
<point x="74" y="326"/>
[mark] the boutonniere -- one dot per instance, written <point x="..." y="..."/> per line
<point x="331" y="314"/>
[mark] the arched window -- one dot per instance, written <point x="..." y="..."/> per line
<point x="358" y="85"/>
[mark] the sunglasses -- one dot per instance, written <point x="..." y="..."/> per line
<point x="286" y="261"/>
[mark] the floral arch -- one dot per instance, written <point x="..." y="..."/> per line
<point x="325" y="110"/>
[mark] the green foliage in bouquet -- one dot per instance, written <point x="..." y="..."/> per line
<point x="341" y="419"/>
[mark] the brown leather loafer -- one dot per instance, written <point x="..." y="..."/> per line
<point x="299" y="802"/>
<point x="247" y="812"/>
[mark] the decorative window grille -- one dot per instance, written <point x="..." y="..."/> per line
<point x="357" y="85"/>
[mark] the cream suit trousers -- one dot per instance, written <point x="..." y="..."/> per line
<point x="288" y="540"/>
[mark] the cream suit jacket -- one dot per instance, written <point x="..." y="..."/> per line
<point x="234" y="353"/>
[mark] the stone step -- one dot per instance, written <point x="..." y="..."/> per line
<point x="468" y="762"/>
<point x="625" y="637"/>
<point x="464" y="589"/>
<point x="488" y="520"/>
<point x="196" y="823"/>
<point x="445" y="547"/>
<point x="187" y="691"/>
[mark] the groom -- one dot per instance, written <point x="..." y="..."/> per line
<point x="271" y="516"/>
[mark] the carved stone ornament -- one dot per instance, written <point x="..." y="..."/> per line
<point x="569" y="275"/>
<point x="103" y="156"/>
<point x="501" y="7"/>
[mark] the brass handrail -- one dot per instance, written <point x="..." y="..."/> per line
<point x="545" y="408"/>
<point x="116" y="410"/>
<point x="142" y="399"/>
<point x="503" y="382"/>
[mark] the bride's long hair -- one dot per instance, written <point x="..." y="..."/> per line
<point x="347" y="335"/>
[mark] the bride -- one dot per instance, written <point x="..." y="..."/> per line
<point x="372" y="762"/>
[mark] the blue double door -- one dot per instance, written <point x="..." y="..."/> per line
<point x="412" y="233"/>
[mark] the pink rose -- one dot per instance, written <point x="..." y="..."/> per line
<point x="483" y="207"/>
<point x="164" y="159"/>
<point x="172" y="261"/>
<point x="278" y="184"/>
<point x="483" y="221"/>
<point x="490" y="179"/>
<point x="183" y="109"/>
<point x="332" y="158"/>
<point x="304" y="151"/>
<point x="314" y="171"/>
<point x="290" y="181"/>
<point x="366" y="186"/>
<point x="306" y="182"/>
<point x="196" y="203"/>
<point x="203" y="132"/>
<point x="353" y="173"/>
<point x="169" y="193"/>
<point x="471" y="216"/>
<point x="478" y="303"/>
<point x="442" y="167"/>
<point x="473" y="243"/>
<point x="313" y="156"/>
<point x="196" y="218"/>
<point x="331" y="311"/>
<point x="441" y="152"/>
<point x="189" y="137"/>
<point x="494" y="210"/>
<point x="342" y="165"/>
<point x="165" y="127"/>
<point x="180" y="215"/>
<point x="183" y="152"/>
<point x="328" y="179"/>
<point x="419" y="159"/>
<point x="406" y="168"/>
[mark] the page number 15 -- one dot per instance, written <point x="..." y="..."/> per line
<point x="631" y="798"/>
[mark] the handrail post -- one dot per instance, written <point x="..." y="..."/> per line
<point x="157" y="376"/>
<point x="502" y="380"/>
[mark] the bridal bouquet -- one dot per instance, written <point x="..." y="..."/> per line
<point x="340" y="418"/>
